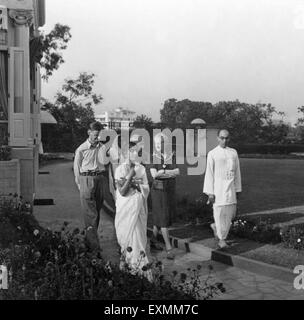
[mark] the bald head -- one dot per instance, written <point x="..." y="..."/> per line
<point x="222" y="131"/>
<point x="223" y="138"/>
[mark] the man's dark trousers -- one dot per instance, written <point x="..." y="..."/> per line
<point x="92" y="194"/>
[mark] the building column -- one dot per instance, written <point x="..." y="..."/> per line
<point x="20" y="102"/>
<point x="22" y="22"/>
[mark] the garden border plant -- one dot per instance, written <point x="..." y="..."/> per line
<point x="265" y="232"/>
<point x="48" y="265"/>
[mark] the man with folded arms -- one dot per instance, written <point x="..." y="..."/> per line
<point x="91" y="177"/>
<point x="223" y="185"/>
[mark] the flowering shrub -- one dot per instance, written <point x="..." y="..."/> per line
<point x="16" y="221"/>
<point x="263" y="231"/>
<point x="189" y="283"/>
<point x="47" y="265"/>
<point x="5" y="153"/>
<point x="293" y="237"/>
<point x="192" y="284"/>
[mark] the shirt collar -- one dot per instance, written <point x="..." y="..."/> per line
<point x="220" y="148"/>
<point x="91" y="146"/>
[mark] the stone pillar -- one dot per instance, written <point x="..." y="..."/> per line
<point x="22" y="22"/>
<point x="21" y="138"/>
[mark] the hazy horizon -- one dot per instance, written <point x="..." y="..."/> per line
<point x="147" y="51"/>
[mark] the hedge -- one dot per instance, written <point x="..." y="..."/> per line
<point x="269" y="148"/>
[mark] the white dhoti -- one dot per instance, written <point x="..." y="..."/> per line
<point x="223" y="182"/>
<point x="223" y="216"/>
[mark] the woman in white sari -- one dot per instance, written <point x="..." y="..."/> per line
<point x="132" y="213"/>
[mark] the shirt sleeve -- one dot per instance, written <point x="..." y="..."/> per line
<point x="209" y="176"/>
<point x="238" y="179"/>
<point x="77" y="166"/>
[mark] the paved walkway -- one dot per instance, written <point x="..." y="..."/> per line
<point x="240" y="284"/>
<point x="59" y="185"/>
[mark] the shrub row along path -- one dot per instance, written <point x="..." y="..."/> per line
<point x="240" y="284"/>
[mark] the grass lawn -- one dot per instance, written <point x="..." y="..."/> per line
<point x="271" y="184"/>
<point x="267" y="184"/>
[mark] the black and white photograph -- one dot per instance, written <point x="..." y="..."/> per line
<point x="151" y="150"/>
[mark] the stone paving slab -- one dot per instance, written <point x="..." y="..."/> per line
<point x="240" y="284"/>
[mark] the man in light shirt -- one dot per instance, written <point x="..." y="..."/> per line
<point x="91" y="177"/>
<point x="223" y="185"/>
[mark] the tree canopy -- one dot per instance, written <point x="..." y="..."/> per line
<point x="143" y="122"/>
<point x="50" y="48"/>
<point x="250" y="123"/>
<point x="73" y="110"/>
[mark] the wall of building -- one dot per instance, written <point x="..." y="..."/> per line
<point x="9" y="177"/>
<point x="27" y="162"/>
<point x="24" y="126"/>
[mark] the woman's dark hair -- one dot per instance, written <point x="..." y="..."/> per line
<point x="96" y="126"/>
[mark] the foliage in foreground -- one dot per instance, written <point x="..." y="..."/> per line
<point x="265" y="232"/>
<point x="47" y="265"/>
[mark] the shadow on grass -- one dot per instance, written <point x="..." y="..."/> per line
<point x="193" y="232"/>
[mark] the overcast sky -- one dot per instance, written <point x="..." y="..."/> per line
<point x="146" y="51"/>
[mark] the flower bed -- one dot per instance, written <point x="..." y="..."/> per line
<point x="47" y="265"/>
<point x="264" y="232"/>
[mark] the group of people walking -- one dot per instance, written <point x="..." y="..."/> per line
<point x="132" y="184"/>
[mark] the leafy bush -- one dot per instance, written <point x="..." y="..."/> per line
<point x="269" y="148"/>
<point x="46" y="265"/>
<point x="293" y="237"/>
<point x="16" y="221"/>
<point x="263" y="231"/>
<point x="5" y="153"/>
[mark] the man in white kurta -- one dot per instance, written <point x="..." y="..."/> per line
<point x="223" y="185"/>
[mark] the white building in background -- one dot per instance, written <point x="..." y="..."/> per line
<point x="119" y="118"/>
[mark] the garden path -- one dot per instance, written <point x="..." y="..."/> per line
<point x="240" y="284"/>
